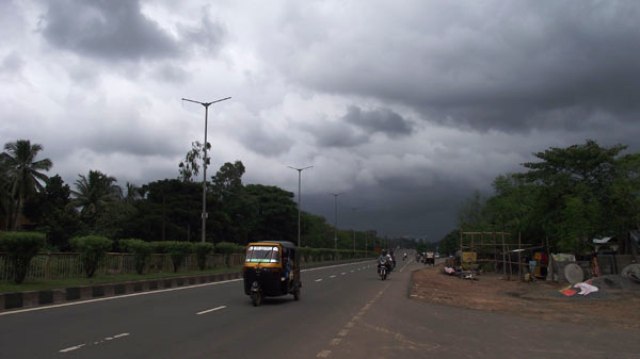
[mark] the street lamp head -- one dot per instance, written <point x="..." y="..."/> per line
<point x="206" y="104"/>
<point x="299" y="169"/>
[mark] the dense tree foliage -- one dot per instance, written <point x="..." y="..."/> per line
<point x="232" y="214"/>
<point x="170" y="210"/>
<point x="164" y="210"/>
<point x="569" y="196"/>
<point x="450" y="244"/>
<point x="53" y="214"/>
<point x="275" y="213"/>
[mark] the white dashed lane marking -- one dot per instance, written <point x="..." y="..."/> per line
<point x="70" y="349"/>
<point x="342" y="273"/>
<point x="97" y="342"/>
<point x="211" y="310"/>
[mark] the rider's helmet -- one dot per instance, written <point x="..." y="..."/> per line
<point x="384" y="252"/>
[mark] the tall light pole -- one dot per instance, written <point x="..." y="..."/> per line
<point x="299" y="196"/>
<point x="335" y="235"/>
<point x="205" y="162"/>
<point x="366" y="239"/>
<point x="354" y="229"/>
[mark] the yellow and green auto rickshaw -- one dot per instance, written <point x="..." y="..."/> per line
<point x="271" y="269"/>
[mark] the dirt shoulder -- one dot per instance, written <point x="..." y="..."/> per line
<point x="613" y="305"/>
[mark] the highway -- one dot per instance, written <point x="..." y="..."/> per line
<point x="345" y="311"/>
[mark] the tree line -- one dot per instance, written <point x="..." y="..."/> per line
<point x="162" y="210"/>
<point x="563" y="200"/>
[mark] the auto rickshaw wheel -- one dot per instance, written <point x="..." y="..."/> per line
<point x="256" y="299"/>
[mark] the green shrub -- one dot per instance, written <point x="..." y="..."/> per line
<point x="141" y="251"/>
<point x="160" y="247"/>
<point x="202" y="250"/>
<point x="305" y="253"/>
<point x="21" y="247"/>
<point x="226" y="249"/>
<point x="178" y="251"/>
<point x="92" y="250"/>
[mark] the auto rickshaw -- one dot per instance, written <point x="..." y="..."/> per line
<point x="271" y="269"/>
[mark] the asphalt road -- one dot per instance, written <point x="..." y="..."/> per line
<point x="344" y="312"/>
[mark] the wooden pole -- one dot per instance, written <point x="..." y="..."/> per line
<point x="504" y="262"/>
<point x="519" y="256"/>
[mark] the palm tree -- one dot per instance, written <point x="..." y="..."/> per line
<point x="93" y="194"/>
<point x="23" y="175"/>
<point x="133" y="193"/>
<point x="4" y="192"/>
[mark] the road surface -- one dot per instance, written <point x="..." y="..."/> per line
<point x="345" y="312"/>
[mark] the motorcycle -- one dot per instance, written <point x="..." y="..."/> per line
<point x="382" y="269"/>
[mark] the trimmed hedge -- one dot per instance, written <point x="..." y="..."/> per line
<point x="21" y="247"/>
<point x="227" y="249"/>
<point x="141" y="251"/>
<point x="178" y="251"/>
<point x="202" y="250"/>
<point x="160" y="247"/>
<point x="92" y="250"/>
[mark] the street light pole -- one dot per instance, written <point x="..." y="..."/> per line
<point x="354" y="230"/>
<point x="205" y="162"/>
<point x="366" y="238"/>
<point x="299" y="196"/>
<point x="335" y="233"/>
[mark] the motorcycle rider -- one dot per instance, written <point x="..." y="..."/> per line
<point x="385" y="258"/>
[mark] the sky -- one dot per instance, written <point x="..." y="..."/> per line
<point x="403" y="108"/>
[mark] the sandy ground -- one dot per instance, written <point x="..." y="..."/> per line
<point x="616" y="304"/>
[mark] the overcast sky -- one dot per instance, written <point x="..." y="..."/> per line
<point x="404" y="107"/>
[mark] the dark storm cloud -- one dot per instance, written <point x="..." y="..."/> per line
<point x="356" y="127"/>
<point x="107" y="29"/>
<point x="335" y="134"/>
<point x="265" y="142"/>
<point x="209" y="35"/>
<point x="418" y="212"/>
<point x="511" y="66"/>
<point x="380" y="120"/>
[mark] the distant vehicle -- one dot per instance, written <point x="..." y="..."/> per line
<point x="271" y="269"/>
<point x="383" y="268"/>
<point x="429" y="258"/>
